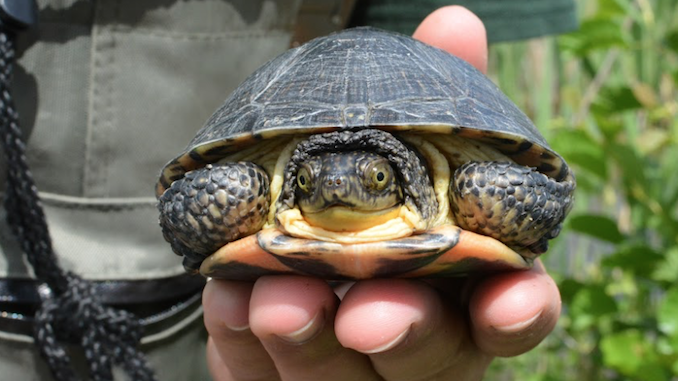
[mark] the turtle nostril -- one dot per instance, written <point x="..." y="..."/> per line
<point x="334" y="182"/>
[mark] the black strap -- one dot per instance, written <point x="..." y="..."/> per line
<point x="71" y="310"/>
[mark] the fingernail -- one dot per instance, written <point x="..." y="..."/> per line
<point x="390" y="345"/>
<point x="519" y="326"/>
<point x="307" y="332"/>
<point x="240" y="328"/>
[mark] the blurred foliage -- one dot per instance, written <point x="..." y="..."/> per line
<point x="606" y="97"/>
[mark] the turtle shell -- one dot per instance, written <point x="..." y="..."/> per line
<point x="365" y="77"/>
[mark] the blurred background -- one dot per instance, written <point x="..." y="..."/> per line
<point x="606" y="98"/>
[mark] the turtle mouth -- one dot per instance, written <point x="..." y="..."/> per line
<point x="341" y="218"/>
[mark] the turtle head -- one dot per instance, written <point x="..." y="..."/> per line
<point x="352" y="186"/>
<point x="347" y="191"/>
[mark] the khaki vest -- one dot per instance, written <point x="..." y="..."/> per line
<point x="108" y="92"/>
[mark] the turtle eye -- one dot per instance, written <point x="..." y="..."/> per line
<point x="304" y="179"/>
<point x="378" y="175"/>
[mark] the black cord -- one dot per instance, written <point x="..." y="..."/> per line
<point x="72" y="312"/>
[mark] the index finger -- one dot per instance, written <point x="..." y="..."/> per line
<point x="511" y="313"/>
<point x="456" y="30"/>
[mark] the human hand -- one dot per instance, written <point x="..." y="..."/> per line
<point x="297" y="328"/>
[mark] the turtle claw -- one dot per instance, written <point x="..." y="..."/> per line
<point x="515" y="204"/>
<point x="212" y="206"/>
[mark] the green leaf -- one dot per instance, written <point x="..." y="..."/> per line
<point x="599" y="33"/>
<point x="593" y="301"/>
<point x="652" y="140"/>
<point x="651" y="371"/>
<point x="610" y="127"/>
<point x="632" y="166"/>
<point x="610" y="8"/>
<point x="673" y="344"/>
<point x="668" y="181"/>
<point x="667" y="270"/>
<point x="672" y="40"/>
<point x="568" y="289"/>
<point x="639" y="259"/>
<point x="616" y="99"/>
<point x="667" y="313"/>
<point x="591" y="309"/>
<point x="578" y="147"/>
<point x="624" y="351"/>
<point x="596" y="226"/>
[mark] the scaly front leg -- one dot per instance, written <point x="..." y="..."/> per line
<point x="515" y="204"/>
<point x="212" y="206"/>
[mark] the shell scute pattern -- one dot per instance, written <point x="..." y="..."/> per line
<point x="369" y="79"/>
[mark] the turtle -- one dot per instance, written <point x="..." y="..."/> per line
<point x="363" y="154"/>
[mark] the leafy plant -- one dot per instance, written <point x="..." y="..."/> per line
<point x="612" y="112"/>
